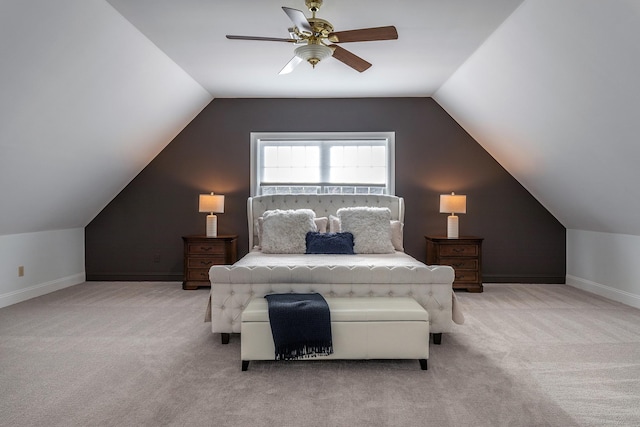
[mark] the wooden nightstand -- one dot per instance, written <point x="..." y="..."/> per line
<point x="464" y="254"/>
<point x="201" y="252"/>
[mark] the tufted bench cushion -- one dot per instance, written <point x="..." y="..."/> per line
<point x="362" y="328"/>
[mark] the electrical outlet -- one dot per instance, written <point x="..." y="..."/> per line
<point x="156" y="258"/>
<point x="21" y="271"/>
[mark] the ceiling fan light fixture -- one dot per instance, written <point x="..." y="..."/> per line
<point x="313" y="53"/>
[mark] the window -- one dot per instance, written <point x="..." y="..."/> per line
<point x="328" y="162"/>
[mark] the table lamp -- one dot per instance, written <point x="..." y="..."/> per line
<point x="212" y="203"/>
<point x="452" y="204"/>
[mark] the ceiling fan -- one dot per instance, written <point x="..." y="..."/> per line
<point x="317" y="39"/>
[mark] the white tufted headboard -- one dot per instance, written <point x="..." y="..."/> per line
<point x="321" y="204"/>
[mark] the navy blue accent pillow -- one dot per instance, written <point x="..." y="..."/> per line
<point x="329" y="243"/>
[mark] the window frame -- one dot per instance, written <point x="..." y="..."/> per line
<point x="387" y="137"/>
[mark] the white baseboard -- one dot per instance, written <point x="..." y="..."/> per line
<point x="15" y="297"/>
<point x="614" y="294"/>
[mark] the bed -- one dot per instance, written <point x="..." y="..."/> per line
<point x="393" y="273"/>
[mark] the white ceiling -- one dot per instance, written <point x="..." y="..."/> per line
<point x="434" y="38"/>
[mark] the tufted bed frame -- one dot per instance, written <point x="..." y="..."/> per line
<point x="232" y="287"/>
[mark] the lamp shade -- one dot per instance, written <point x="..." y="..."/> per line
<point x="453" y="203"/>
<point x="213" y="203"/>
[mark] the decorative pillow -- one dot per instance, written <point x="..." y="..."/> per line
<point x="284" y="231"/>
<point x="371" y="228"/>
<point x="396" y="235"/>
<point x="321" y="225"/>
<point x="397" y="231"/>
<point x="258" y="228"/>
<point x="330" y="243"/>
<point x="334" y="224"/>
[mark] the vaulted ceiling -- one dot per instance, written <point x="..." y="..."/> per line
<point x="434" y="38"/>
<point x="93" y="90"/>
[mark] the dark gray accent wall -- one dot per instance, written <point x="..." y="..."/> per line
<point x="138" y="235"/>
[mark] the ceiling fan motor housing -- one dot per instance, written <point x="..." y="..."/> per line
<point x="321" y="27"/>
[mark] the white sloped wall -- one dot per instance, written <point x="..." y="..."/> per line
<point x="87" y="101"/>
<point x="553" y="96"/>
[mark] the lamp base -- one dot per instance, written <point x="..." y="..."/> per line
<point x="452" y="227"/>
<point x="212" y="226"/>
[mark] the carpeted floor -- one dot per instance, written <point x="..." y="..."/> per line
<point x="139" y="354"/>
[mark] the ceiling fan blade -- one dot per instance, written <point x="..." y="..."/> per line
<point x="350" y="59"/>
<point x="291" y="65"/>
<point x="364" y="35"/>
<point x="298" y="19"/>
<point x="268" y="39"/>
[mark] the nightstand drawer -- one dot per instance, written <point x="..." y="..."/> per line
<point x="466" y="276"/>
<point x="458" y="250"/>
<point x="198" y="274"/>
<point x="206" y="248"/>
<point x="205" y="262"/>
<point x="461" y="263"/>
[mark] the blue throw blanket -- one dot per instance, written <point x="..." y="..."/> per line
<point x="300" y="324"/>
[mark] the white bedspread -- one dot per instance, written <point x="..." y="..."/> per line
<point x="390" y="269"/>
<point x="397" y="259"/>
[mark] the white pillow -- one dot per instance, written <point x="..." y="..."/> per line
<point x="397" y="231"/>
<point x="371" y="229"/>
<point x="257" y="225"/>
<point x="285" y="231"/>
<point x="396" y="235"/>
<point x="321" y="225"/>
<point x="334" y="224"/>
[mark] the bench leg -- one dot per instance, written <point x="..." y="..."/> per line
<point x="423" y="364"/>
<point x="224" y="337"/>
<point x="245" y="365"/>
<point x="437" y="338"/>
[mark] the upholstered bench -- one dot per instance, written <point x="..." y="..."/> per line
<point x="361" y="328"/>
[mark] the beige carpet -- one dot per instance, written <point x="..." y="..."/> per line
<point x="139" y="354"/>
